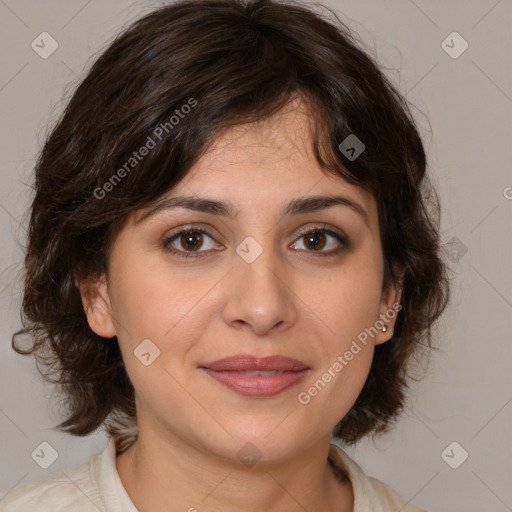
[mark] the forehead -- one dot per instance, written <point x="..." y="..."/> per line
<point x="285" y="134"/>
<point x="264" y="169"/>
<point x="276" y="142"/>
<point x="266" y="162"/>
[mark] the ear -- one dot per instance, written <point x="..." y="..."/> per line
<point x="389" y="311"/>
<point x="96" y="303"/>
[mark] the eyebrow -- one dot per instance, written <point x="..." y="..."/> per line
<point x="295" y="207"/>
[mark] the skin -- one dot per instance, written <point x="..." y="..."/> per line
<point x="291" y="300"/>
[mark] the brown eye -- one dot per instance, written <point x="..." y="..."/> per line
<point x="189" y="241"/>
<point x="315" y="240"/>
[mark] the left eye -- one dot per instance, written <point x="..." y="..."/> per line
<point x="191" y="240"/>
<point x="316" y="239"/>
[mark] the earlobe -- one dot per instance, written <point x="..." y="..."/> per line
<point x="96" y="303"/>
<point x="389" y="309"/>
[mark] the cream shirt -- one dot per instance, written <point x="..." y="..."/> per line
<point x="96" y="487"/>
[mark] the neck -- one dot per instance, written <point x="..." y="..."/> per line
<point x="162" y="474"/>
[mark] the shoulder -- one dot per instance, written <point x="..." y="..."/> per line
<point x="389" y="499"/>
<point x="369" y="492"/>
<point x="73" y="489"/>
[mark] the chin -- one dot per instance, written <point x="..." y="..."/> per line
<point x="270" y="440"/>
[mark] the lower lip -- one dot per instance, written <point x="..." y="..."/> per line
<point x="257" y="385"/>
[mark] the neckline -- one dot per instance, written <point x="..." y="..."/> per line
<point x="345" y="470"/>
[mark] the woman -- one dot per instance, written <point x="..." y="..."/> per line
<point x="232" y="256"/>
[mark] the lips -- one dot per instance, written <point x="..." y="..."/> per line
<point x="257" y="377"/>
<point x="247" y="363"/>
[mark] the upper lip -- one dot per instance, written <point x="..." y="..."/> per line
<point x="245" y="362"/>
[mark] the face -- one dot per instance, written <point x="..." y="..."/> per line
<point x="200" y="286"/>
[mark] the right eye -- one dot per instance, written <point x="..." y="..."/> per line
<point x="190" y="240"/>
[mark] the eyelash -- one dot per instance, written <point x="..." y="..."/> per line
<point x="199" y="254"/>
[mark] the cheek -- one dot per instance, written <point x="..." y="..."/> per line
<point x="153" y="302"/>
<point x="345" y="308"/>
<point x="150" y="300"/>
<point x="336" y="386"/>
<point x="345" y="304"/>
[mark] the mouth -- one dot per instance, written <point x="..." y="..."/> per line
<point x="257" y="377"/>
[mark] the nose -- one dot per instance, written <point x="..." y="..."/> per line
<point x="259" y="295"/>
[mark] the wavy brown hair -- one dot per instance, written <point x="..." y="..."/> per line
<point x="240" y="61"/>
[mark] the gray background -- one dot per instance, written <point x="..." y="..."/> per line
<point x="463" y="107"/>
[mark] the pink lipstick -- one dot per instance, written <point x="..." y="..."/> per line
<point x="257" y="377"/>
